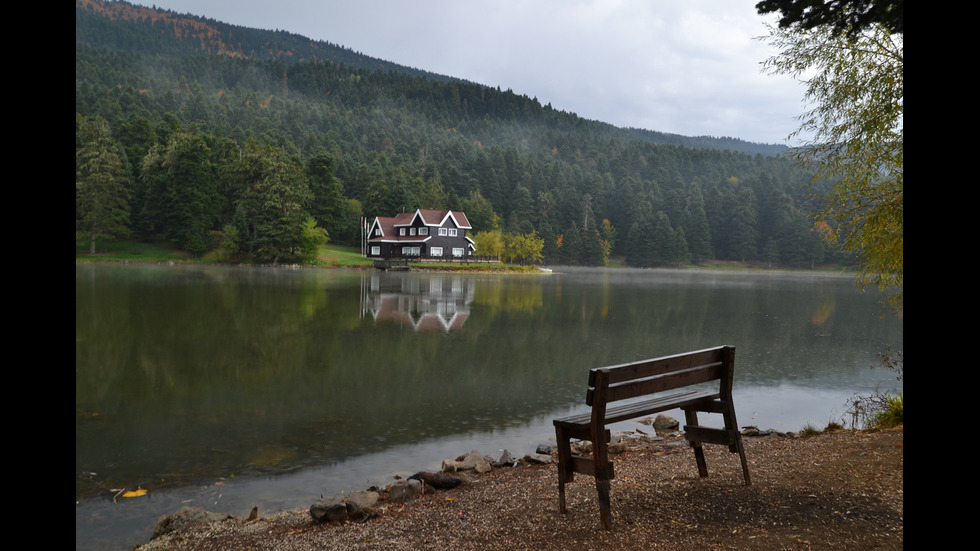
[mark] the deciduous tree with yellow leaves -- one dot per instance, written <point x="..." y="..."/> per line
<point x="854" y="137"/>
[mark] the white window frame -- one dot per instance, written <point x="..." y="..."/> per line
<point x="375" y="250"/>
<point x="401" y="231"/>
<point x="443" y="232"/>
<point x="435" y="251"/>
<point x="423" y="231"/>
<point x="411" y="231"/>
<point x="411" y="251"/>
<point x="452" y="232"/>
<point x="458" y="252"/>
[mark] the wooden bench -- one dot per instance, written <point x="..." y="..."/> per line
<point x="643" y="380"/>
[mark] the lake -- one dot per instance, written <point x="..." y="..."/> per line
<point x="231" y="387"/>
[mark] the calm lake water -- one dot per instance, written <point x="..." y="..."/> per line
<point x="226" y="388"/>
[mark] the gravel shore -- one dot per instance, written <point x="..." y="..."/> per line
<point x="841" y="490"/>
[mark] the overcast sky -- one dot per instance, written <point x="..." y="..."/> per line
<point x="690" y="67"/>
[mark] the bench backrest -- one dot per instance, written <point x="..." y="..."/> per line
<point x="631" y="380"/>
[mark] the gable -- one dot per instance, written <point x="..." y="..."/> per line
<point x="434" y="218"/>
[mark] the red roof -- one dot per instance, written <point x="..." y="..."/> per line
<point x="436" y="218"/>
<point x="429" y="217"/>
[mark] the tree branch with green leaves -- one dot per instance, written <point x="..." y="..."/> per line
<point x="853" y="136"/>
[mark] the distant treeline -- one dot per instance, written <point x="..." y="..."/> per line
<point x="215" y="123"/>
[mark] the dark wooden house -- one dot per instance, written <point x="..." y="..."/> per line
<point x="424" y="234"/>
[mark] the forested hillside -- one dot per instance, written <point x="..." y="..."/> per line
<point x="221" y="137"/>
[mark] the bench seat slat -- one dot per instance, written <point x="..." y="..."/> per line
<point x="646" y="407"/>
<point x="649" y="407"/>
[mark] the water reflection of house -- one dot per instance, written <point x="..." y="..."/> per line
<point x="425" y="302"/>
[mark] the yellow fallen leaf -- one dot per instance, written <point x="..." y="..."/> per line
<point x="135" y="493"/>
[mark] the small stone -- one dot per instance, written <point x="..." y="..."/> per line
<point x="538" y="459"/>
<point x="506" y="460"/>
<point x="360" y="500"/>
<point x="617" y="448"/>
<point x="665" y="423"/>
<point x="404" y="490"/>
<point x="329" y="509"/>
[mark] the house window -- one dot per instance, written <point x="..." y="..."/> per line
<point x="377" y="231"/>
<point x="457" y="251"/>
<point x="375" y="251"/>
<point x="401" y="231"/>
<point x="442" y="231"/>
<point x="411" y="251"/>
<point x="435" y="251"/>
<point x="411" y="231"/>
<point x="452" y="232"/>
<point x="423" y="231"/>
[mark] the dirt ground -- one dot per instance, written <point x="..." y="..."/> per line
<point x="840" y="490"/>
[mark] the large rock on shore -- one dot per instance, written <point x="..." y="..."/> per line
<point x="663" y="424"/>
<point x="329" y="509"/>
<point x="439" y="481"/>
<point x="404" y="490"/>
<point x="338" y="509"/>
<point x="185" y="517"/>
<point x="471" y="461"/>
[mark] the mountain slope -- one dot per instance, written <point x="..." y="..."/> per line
<point x="376" y="142"/>
<point x="123" y="26"/>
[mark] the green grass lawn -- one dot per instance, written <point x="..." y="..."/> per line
<point x="134" y="251"/>
<point x="342" y="256"/>
<point x="126" y="250"/>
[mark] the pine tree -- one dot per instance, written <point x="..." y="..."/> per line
<point x="271" y="214"/>
<point x="698" y="231"/>
<point x="101" y="185"/>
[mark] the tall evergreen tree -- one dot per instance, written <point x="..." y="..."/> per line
<point x="479" y="211"/>
<point x="101" y="185"/>
<point x="744" y="233"/>
<point x="676" y="252"/>
<point x="271" y="214"/>
<point x="640" y="250"/>
<point x="328" y="204"/>
<point x="663" y="239"/>
<point x="181" y="201"/>
<point x="697" y="231"/>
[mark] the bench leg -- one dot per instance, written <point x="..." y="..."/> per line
<point x="604" y="505"/>
<point x="691" y="417"/>
<point x="737" y="446"/>
<point x="741" y="454"/>
<point x="565" y="473"/>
